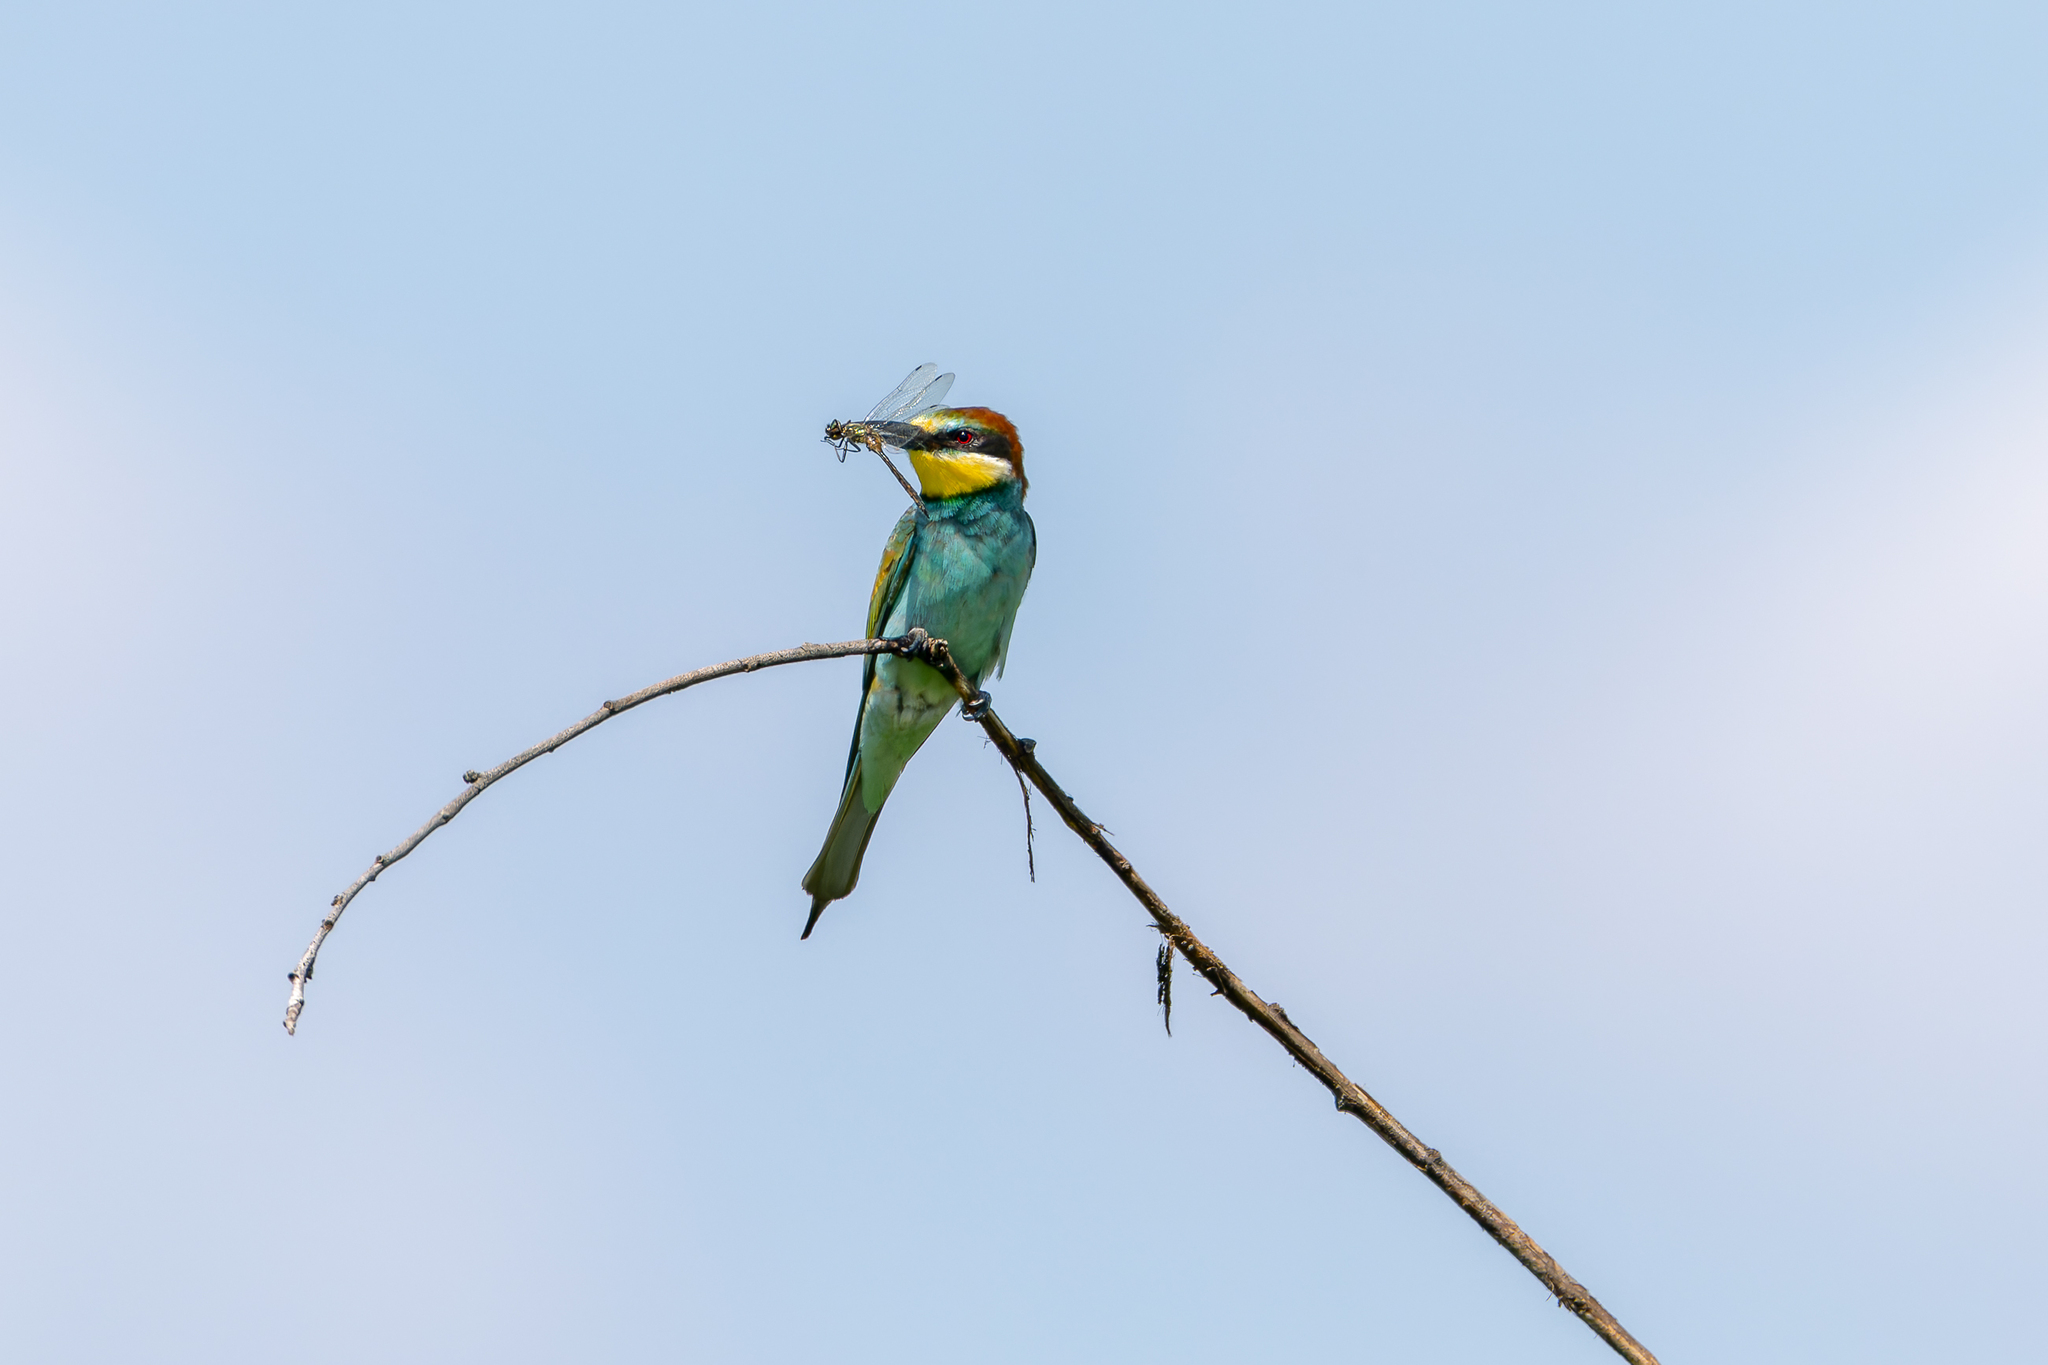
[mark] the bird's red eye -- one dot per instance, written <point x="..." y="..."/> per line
<point x="963" y="438"/>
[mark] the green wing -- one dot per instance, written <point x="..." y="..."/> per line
<point x="889" y="580"/>
<point x="895" y="571"/>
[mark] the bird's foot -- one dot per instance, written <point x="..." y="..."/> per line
<point x="977" y="710"/>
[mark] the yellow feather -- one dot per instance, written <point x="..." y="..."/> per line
<point x="943" y="475"/>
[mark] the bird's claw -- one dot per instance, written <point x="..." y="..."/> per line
<point x="977" y="710"/>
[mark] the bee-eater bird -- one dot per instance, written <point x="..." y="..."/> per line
<point x="958" y="569"/>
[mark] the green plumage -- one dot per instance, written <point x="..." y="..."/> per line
<point x="959" y="572"/>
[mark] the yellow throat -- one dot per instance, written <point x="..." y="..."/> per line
<point x="947" y="474"/>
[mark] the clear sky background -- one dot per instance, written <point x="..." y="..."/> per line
<point x="1543" y="522"/>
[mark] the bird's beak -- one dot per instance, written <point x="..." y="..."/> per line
<point x="898" y="434"/>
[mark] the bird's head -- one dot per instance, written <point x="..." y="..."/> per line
<point x="960" y="450"/>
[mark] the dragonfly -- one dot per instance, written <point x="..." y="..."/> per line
<point x="922" y="390"/>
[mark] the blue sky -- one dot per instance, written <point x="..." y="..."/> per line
<point x="1543" y="560"/>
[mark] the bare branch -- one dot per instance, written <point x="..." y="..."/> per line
<point x="1350" y="1096"/>
<point x="477" y="781"/>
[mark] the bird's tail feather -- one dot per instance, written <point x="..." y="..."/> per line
<point x="837" y="869"/>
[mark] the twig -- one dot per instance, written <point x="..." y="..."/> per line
<point x="1350" y="1096"/>
<point x="477" y="781"/>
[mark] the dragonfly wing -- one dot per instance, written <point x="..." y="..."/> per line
<point x="898" y="398"/>
<point x="933" y="395"/>
<point x="921" y="390"/>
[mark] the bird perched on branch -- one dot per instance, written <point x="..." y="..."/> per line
<point x="956" y="565"/>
